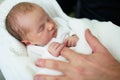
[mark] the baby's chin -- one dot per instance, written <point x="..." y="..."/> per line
<point x="55" y="36"/>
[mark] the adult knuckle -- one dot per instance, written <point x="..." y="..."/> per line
<point x="56" y="78"/>
<point x="82" y="58"/>
<point x="54" y="64"/>
<point x="78" y="70"/>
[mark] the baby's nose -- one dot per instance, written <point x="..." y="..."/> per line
<point x="51" y="27"/>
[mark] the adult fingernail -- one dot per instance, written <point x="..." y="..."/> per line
<point x="40" y="62"/>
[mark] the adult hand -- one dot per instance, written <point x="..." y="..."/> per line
<point x="100" y="65"/>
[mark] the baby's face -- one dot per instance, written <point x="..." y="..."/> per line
<point x="40" y="27"/>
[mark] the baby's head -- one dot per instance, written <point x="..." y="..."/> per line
<point x="29" y="23"/>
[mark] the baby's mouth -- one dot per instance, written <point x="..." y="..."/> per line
<point x="55" y="33"/>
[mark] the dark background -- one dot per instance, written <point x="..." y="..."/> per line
<point x="103" y="10"/>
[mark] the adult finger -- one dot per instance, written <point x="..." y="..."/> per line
<point x="69" y="54"/>
<point x="53" y="64"/>
<point x="48" y="77"/>
<point x="94" y="42"/>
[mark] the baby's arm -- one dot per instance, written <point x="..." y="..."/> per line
<point x="55" y="48"/>
<point x="71" y="41"/>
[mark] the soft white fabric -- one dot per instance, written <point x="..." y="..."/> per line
<point x="13" y="59"/>
<point x="106" y="32"/>
<point x="14" y="62"/>
<point x="35" y="52"/>
<point x="99" y="29"/>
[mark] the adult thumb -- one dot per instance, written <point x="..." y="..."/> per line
<point x="94" y="43"/>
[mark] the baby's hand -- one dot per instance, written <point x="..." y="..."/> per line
<point x="55" y="48"/>
<point x="71" y="41"/>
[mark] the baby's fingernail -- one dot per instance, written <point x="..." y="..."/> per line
<point x="40" y="62"/>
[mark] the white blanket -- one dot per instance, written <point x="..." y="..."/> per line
<point x="14" y="62"/>
<point x="99" y="29"/>
<point x="106" y="32"/>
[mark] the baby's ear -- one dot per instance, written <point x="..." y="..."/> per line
<point x="26" y="42"/>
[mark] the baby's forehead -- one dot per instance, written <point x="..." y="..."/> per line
<point x="24" y="10"/>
